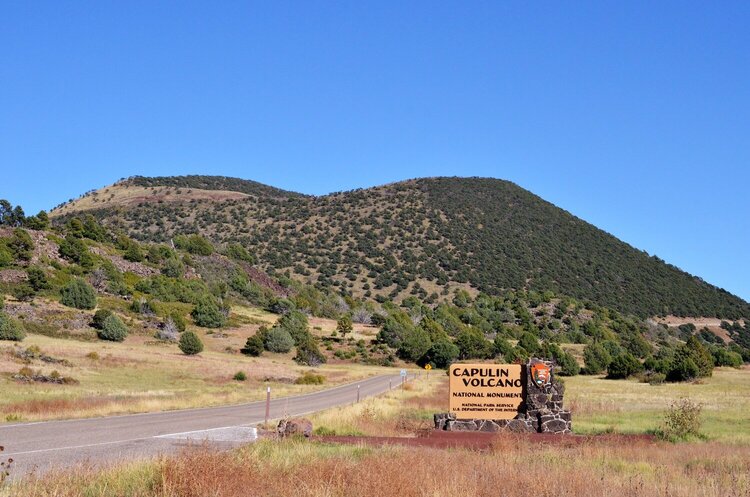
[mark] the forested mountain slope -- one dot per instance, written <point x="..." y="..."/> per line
<point x="421" y="237"/>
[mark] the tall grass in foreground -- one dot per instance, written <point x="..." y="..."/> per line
<point x="513" y="468"/>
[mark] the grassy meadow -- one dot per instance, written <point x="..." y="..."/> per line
<point x="626" y="406"/>
<point x="143" y="374"/>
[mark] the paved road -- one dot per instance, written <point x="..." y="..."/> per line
<point x="38" y="447"/>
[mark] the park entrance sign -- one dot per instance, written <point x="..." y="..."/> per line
<point x="519" y="398"/>
<point x="486" y="391"/>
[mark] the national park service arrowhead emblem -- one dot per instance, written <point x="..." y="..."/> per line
<point x="540" y="373"/>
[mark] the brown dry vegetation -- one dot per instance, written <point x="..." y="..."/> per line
<point x="143" y="375"/>
<point x="512" y="468"/>
<point x="123" y="195"/>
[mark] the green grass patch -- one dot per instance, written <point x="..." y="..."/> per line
<point x="626" y="406"/>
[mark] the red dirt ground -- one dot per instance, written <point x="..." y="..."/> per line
<point x="484" y="441"/>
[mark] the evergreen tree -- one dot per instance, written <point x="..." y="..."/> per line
<point x="596" y="358"/>
<point x="472" y="344"/>
<point x="21" y="245"/>
<point x="278" y="340"/>
<point x="207" y="314"/>
<point x="442" y="353"/>
<point x="308" y="352"/>
<point x="414" y="344"/>
<point x="10" y="329"/>
<point x="253" y="346"/>
<point x="113" y="329"/>
<point x="623" y="366"/>
<point x="78" y="294"/>
<point x="38" y="278"/>
<point x="190" y="344"/>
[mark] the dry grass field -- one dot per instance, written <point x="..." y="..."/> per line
<point x="128" y="195"/>
<point x="602" y="406"/>
<point x="142" y="374"/>
<point x="512" y="467"/>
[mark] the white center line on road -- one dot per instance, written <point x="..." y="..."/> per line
<point x="168" y="435"/>
<point x="76" y="447"/>
<point x="236" y="434"/>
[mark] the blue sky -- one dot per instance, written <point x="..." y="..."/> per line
<point x="634" y="116"/>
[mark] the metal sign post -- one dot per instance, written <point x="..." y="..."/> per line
<point x="357" y="394"/>
<point x="268" y="404"/>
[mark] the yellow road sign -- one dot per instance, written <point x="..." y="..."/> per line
<point x="428" y="367"/>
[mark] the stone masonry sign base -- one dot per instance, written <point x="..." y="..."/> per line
<point x="540" y="412"/>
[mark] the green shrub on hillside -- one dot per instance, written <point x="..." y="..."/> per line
<point x="392" y="331"/>
<point x="344" y="325"/>
<point x="683" y="368"/>
<point x="727" y="358"/>
<point x="100" y="316"/>
<point x="78" y="294"/>
<point x="473" y="345"/>
<point x="623" y="366"/>
<point x="240" y="253"/>
<point x="133" y="253"/>
<point x="691" y="360"/>
<point x="310" y="378"/>
<point x="194" y="244"/>
<point x="190" y="344"/>
<point x="23" y="292"/>
<point x="173" y="290"/>
<point x="38" y="278"/>
<point x="414" y="344"/>
<point x="113" y="329"/>
<point x="529" y="342"/>
<point x="566" y="363"/>
<point x="308" y="352"/>
<point x="21" y="245"/>
<point x="10" y="329"/>
<point x="178" y="320"/>
<point x="38" y="222"/>
<point x="442" y="353"/>
<point x="278" y="340"/>
<point x="701" y="355"/>
<point x="253" y="346"/>
<point x="75" y="250"/>
<point x="502" y="346"/>
<point x="6" y="255"/>
<point x="91" y="229"/>
<point x="208" y="314"/>
<point x="296" y="324"/>
<point x="596" y="358"/>
<point x="173" y="268"/>
<point x="143" y="306"/>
